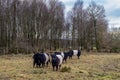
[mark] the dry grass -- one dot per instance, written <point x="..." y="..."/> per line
<point x="88" y="67"/>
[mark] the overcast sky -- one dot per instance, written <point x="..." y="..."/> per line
<point x="112" y="8"/>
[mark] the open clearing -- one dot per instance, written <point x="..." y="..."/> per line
<point x="95" y="66"/>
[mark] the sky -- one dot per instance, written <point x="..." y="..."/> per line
<point x="112" y="8"/>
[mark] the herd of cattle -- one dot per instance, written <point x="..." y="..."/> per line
<point x="57" y="58"/>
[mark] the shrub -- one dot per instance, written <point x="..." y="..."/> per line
<point x="115" y="49"/>
<point x="66" y="69"/>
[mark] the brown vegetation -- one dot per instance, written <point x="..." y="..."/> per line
<point x="90" y="66"/>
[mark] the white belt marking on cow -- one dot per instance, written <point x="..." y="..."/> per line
<point x="60" y="58"/>
<point x="75" y="52"/>
<point x="47" y="58"/>
<point x="62" y="54"/>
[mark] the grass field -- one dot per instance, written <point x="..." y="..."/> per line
<point x="89" y="67"/>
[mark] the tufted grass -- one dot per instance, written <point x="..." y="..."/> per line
<point x="66" y="69"/>
<point x="94" y="66"/>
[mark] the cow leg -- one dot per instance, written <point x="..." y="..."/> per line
<point x="47" y="64"/>
<point x="53" y="68"/>
<point x="36" y="65"/>
<point x="33" y="64"/>
<point x="39" y="65"/>
<point x="56" y="67"/>
<point x="43" y="65"/>
<point x="65" y="60"/>
<point x="69" y="57"/>
<point x="59" y="67"/>
<point x="78" y="57"/>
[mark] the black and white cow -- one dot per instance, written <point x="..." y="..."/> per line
<point x="57" y="59"/>
<point x="70" y="54"/>
<point x="41" y="59"/>
<point x="75" y="53"/>
<point x="44" y="59"/>
<point x="36" y="60"/>
<point x="64" y="55"/>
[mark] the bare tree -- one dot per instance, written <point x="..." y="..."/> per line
<point x="56" y="11"/>
<point x="78" y="15"/>
<point x="27" y="24"/>
<point x="95" y="12"/>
